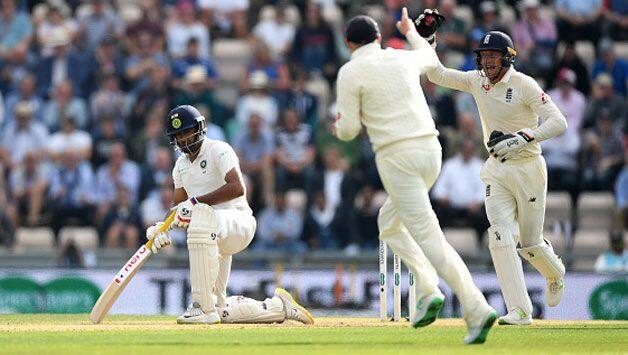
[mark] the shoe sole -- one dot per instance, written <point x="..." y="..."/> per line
<point x="179" y="321"/>
<point x="287" y="296"/>
<point x="503" y="322"/>
<point x="432" y="313"/>
<point x="488" y="323"/>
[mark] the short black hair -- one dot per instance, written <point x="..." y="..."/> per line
<point x="361" y="29"/>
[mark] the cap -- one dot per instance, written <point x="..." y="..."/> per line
<point x="604" y="79"/>
<point x="567" y="75"/>
<point x="58" y="37"/>
<point x="258" y="80"/>
<point x="195" y="74"/>
<point x="361" y="30"/>
<point x="526" y="4"/>
<point x="488" y="6"/>
<point x="23" y="109"/>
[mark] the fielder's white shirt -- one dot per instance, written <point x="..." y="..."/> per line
<point x="515" y="102"/>
<point x="207" y="173"/>
<point x="380" y="88"/>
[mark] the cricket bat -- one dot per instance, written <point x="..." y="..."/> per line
<point x="124" y="276"/>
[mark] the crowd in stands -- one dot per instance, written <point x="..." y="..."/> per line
<point x="85" y="87"/>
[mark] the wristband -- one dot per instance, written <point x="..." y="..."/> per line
<point x="194" y="200"/>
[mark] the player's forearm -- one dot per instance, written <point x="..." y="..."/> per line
<point x="226" y="192"/>
<point x="554" y="124"/>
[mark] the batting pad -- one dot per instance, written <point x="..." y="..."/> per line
<point x="508" y="268"/>
<point x="543" y="258"/>
<point x="241" y="309"/>
<point x="203" y="251"/>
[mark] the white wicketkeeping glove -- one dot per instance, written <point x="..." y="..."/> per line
<point x="511" y="147"/>
<point x="160" y="240"/>
<point x="184" y="213"/>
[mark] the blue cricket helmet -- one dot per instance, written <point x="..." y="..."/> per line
<point x="497" y="41"/>
<point x="183" y="118"/>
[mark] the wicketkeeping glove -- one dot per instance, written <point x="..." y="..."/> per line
<point x="507" y="146"/>
<point x="160" y="240"/>
<point x="428" y="23"/>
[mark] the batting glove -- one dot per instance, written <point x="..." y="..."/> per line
<point x="510" y="147"/>
<point x="184" y="213"/>
<point x="428" y="23"/>
<point x="160" y="240"/>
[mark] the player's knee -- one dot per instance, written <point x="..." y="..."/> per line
<point x="499" y="236"/>
<point x="203" y="223"/>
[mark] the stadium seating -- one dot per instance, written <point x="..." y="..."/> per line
<point x="86" y="238"/>
<point x="595" y="210"/>
<point x="37" y="238"/>
<point x="463" y="240"/>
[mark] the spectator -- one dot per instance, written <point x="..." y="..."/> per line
<point x="603" y="98"/>
<point x="302" y="101"/>
<point x="70" y="138"/>
<point x="106" y="134"/>
<point x="57" y="19"/>
<point x="535" y="39"/>
<point x="118" y="172"/>
<point x="146" y="144"/>
<point x="63" y="103"/>
<point x="608" y="63"/>
<point x="366" y="212"/>
<point x="71" y="192"/>
<point x="16" y="35"/>
<point x="459" y="193"/>
<point x="26" y="92"/>
<point x="616" y="15"/>
<point x="29" y="182"/>
<point x="156" y="172"/>
<point x="318" y="231"/>
<point x="489" y="18"/>
<point x="452" y="32"/>
<point x="70" y="255"/>
<point x="562" y="160"/>
<point x="212" y="130"/>
<point x="156" y="93"/>
<point x="151" y="19"/>
<point x="99" y="23"/>
<point x="603" y="153"/>
<point x="335" y="174"/>
<point x="65" y="64"/>
<point x="441" y="104"/>
<point x="184" y="27"/>
<point x="466" y="130"/>
<point x="197" y="90"/>
<point x="276" y="32"/>
<point x="110" y="101"/>
<point x="254" y="147"/>
<point x="579" y="20"/>
<point x="470" y="59"/>
<point x="106" y="61"/>
<point x="227" y="17"/>
<point x="259" y="101"/>
<point x="295" y="153"/>
<point x="276" y="70"/>
<point x="140" y="66"/>
<point x="571" y="60"/>
<point x="192" y="58"/>
<point x="279" y="227"/>
<point x="616" y="259"/>
<point x="314" y="46"/>
<point x="569" y="101"/>
<point x="122" y="222"/>
<point x="23" y="135"/>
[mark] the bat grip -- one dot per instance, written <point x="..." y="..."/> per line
<point x="164" y="227"/>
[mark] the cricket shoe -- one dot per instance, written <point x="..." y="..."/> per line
<point x="427" y="310"/>
<point x="515" y="317"/>
<point x="554" y="292"/>
<point x="195" y="315"/>
<point x="293" y="310"/>
<point x="478" y="333"/>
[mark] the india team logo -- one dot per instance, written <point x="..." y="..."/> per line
<point x="176" y="123"/>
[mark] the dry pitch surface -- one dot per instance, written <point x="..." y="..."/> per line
<point x="74" y="334"/>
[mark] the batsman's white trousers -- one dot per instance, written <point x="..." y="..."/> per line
<point x="408" y="224"/>
<point x="236" y="229"/>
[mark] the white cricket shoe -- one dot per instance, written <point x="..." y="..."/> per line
<point x="554" y="292"/>
<point x="293" y="310"/>
<point x="427" y="310"/>
<point x="515" y="317"/>
<point x="477" y="333"/>
<point x="195" y="315"/>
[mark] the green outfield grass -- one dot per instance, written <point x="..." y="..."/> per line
<point x="73" y="334"/>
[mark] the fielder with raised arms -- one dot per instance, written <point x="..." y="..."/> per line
<point x="515" y="175"/>
<point x="209" y="194"/>
<point x="379" y="89"/>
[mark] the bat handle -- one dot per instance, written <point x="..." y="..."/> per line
<point x="164" y="227"/>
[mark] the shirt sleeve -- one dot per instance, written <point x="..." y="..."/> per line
<point x="426" y="57"/>
<point x="348" y="116"/>
<point x="226" y="159"/>
<point x="176" y="177"/>
<point x="554" y="123"/>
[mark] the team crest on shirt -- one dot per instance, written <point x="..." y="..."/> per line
<point x="544" y="98"/>
<point x="486" y="87"/>
<point x="509" y="95"/>
<point x="203" y="164"/>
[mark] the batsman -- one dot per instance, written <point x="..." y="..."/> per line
<point x="516" y="115"/>
<point x="209" y="194"/>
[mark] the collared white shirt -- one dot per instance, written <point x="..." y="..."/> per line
<point x="207" y="172"/>
<point x="380" y="89"/>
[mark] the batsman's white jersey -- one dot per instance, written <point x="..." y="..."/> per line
<point x="380" y="89"/>
<point x="515" y="189"/>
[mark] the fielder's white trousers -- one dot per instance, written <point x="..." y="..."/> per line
<point x="408" y="224"/>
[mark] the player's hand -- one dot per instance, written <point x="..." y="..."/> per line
<point x="160" y="240"/>
<point x="428" y="23"/>
<point x="405" y="25"/>
<point x="509" y="148"/>
<point x="184" y="214"/>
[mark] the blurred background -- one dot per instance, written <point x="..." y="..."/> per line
<point x="85" y="166"/>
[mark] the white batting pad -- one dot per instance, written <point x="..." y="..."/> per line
<point x="203" y="250"/>
<point x="543" y="258"/>
<point x="240" y="309"/>
<point x="224" y="268"/>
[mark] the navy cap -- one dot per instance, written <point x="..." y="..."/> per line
<point x="361" y="30"/>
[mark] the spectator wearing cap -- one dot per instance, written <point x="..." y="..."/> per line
<point x="276" y="70"/>
<point x="23" y="135"/>
<point x="56" y="19"/>
<point x="608" y="63"/>
<point x="614" y="260"/>
<point x="16" y="34"/>
<point x="579" y="20"/>
<point x="26" y="92"/>
<point x="453" y="31"/>
<point x="314" y="47"/>
<point x="192" y="58"/>
<point x="182" y="28"/>
<point x="571" y="60"/>
<point x="139" y="66"/>
<point x="602" y="98"/>
<point x="569" y="101"/>
<point x="100" y="21"/>
<point x="70" y="138"/>
<point x="28" y="183"/>
<point x="535" y="39"/>
<point x="63" y="103"/>
<point x="294" y="154"/>
<point x="603" y="153"/>
<point x="65" y="63"/>
<point x="196" y="89"/>
<point x="276" y="32"/>
<point x="257" y="100"/>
